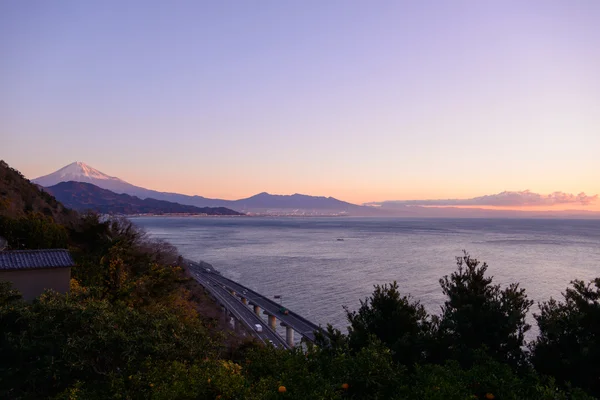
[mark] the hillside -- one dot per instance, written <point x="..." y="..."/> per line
<point x="273" y="203"/>
<point x="18" y="196"/>
<point x="85" y="196"/>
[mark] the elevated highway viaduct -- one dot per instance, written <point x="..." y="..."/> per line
<point x="240" y="297"/>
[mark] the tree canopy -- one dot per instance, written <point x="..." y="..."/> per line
<point x="478" y="314"/>
<point x="568" y="346"/>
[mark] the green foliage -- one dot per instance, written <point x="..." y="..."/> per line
<point x="486" y="378"/>
<point x="128" y="316"/>
<point x="116" y="261"/>
<point x="8" y="294"/>
<point x="399" y="323"/>
<point x="318" y="373"/>
<point x="33" y="231"/>
<point x="48" y="346"/>
<point x="478" y="314"/>
<point x="568" y="346"/>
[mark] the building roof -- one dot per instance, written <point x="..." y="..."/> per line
<point x="34" y="259"/>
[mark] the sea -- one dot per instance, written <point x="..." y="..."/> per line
<point x="322" y="267"/>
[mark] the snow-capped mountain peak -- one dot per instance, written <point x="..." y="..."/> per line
<point x="77" y="171"/>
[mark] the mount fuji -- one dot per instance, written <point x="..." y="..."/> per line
<point x="260" y="203"/>
<point x="81" y="172"/>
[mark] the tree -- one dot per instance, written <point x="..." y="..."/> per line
<point x="8" y="294"/>
<point x="398" y="322"/>
<point x="568" y="346"/>
<point x="478" y="314"/>
<point x="33" y="231"/>
<point x="50" y="344"/>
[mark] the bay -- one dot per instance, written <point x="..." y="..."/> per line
<point x="320" y="265"/>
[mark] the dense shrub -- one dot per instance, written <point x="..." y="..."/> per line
<point x="397" y="321"/>
<point x="568" y="346"/>
<point x="33" y="231"/>
<point x="479" y="315"/>
<point x="49" y="345"/>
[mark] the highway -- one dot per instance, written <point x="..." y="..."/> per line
<point x="293" y="320"/>
<point x="239" y="310"/>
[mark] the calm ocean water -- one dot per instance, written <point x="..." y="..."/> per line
<point x="302" y="259"/>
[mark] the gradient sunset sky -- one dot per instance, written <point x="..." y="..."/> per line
<point x="360" y="100"/>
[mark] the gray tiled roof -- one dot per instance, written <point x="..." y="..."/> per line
<point x="32" y="259"/>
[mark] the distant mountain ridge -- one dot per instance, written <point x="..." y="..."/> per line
<point x="299" y="204"/>
<point x="265" y="201"/>
<point x="260" y="203"/>
<point x="81" y="172"/>
<point x="82" y="196"/>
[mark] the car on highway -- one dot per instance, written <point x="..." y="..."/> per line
<point x="258" y="327"/>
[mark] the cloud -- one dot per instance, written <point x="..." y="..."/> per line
<point x="505" y="199"/>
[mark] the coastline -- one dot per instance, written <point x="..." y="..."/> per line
<point x="177" y="215"/>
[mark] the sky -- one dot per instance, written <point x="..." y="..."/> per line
<point x="359" y="100"/>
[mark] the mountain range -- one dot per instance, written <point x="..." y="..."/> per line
<point x="83" y="196"/>
<point x="263" y="203"/>
<point x="300" y="204"/>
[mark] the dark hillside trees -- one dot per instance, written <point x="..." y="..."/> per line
<point x="568" y="346"/>
<point x="477" y="316"/>
<point x="397" y="321"/>
<point x="33" y="231"/>
<point x="480" y="315"/>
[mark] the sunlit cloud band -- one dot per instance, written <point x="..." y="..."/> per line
<point x="524" y="198"/>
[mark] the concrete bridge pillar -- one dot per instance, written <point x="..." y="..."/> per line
<point x="272" y="322"/>
<point x="257" y="310"/>
<point x="244" y="300"/>
<point x="289" y="336"/>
